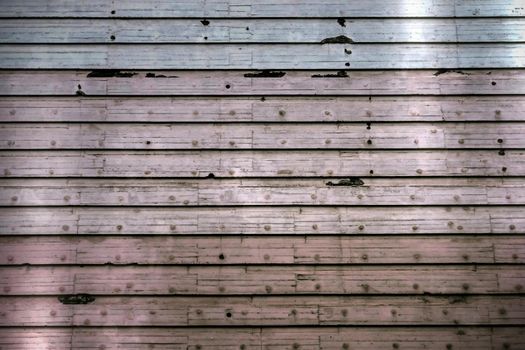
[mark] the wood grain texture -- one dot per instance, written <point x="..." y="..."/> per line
<point x="77" y="31"/>
<point x="246" y="192"/>
<point x="231" y="250"/>
<point x="289" y="163"/>
<point x="263" y="280"/>
<point x="263" y="220"/>
<point x="265" y="311"/>
<point x="270" y="110"/>
<point x="267" y="8"/>
<point x="262" y="56"/>
<point x="262" y="136"/>
<point x="271" y="338"/>
<point x="228" y="83"/>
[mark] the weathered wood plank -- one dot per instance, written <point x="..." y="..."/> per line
<point x="294" y="163"/>
<point x="269" y="8"/>
<point x="273" y="30"/>
<point x="172" y="83"/>
<point x="264" y="280"/>
<point x="270" y="338"/>
<point x="263" y="220"/>
<point x="172" y="250"/>
<point x="263" y="56"/>
<point x="265" y="311"/>
<point x="271" y="109"/>
<point x="218" y="192"/>
<point x="262" y="136"/>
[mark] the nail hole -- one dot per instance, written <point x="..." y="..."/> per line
<point x="112" y="37"/>
<point x="221" y="256"/>
<point x="347" y="64"/>
<point x="228" y="86"/>
<point x="493" y="83"/>
<point x="228" y="314"/>
<point x="500" y="140"/>
<point x="205" y="22"/>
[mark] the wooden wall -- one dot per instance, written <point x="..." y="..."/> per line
<point x="220" y="174"/>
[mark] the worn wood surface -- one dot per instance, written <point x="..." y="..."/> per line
<point x="77" y="31"/>
<point x="219" y="192"/>
<point x="267" y="175"/>
<point x="269" y="110"/>
<point x="265" y="311"/>
<point x="263" y="136"/>
<point x="264" y="280"/>
<point x="298" y="83"/>
<point x="297" y="163"/>
<point x="273" y="338"/>
<point x="264" y="220"/>
<point x="263" y="56"/>
<point x="232" y="250"/>
<point x="267" y="8"/>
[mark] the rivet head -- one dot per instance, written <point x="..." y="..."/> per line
<point x="266" y="257"/>
<point x="419" y="171"/>
<point x="512" y="227"/>
<point x="314" y="226"/>
<point x="268" y="289"/>
<point x="267" y="227"/>
<point x="65" y="228"/>
<point x="361" y="227"/>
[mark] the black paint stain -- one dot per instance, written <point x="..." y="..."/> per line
<point x="79" y="92"/>
<point x="76" y="299"/>
<point x="352" y="181"/>
<point x="153" y="75"/>
<point x="342" y="22"/>
<point x="265" y="74"/>
<point x="205" y="22"/>
<point x="110" y="73"/>
<point x="445" y="71"/>
<point x="341" y="39"/>
<point x="340" y="74"/>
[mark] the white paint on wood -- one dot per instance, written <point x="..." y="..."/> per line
<point x="262" y="56"/>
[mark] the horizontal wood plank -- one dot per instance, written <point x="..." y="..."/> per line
<point x="268" y="338"/>
<point x="219" y="192"/>
<point x="265" y="311"/>
<point x="264" y="280"/>
<point x="337" y="82"/>
<point x="267" y="8"/>
<point x="262" y="136"/>
<point x="253" y="109"/>
<point x="291" y="163"/>
<point x="76" y="31"/>
<point x="263" y="220"/>
<point x="227" y="250"/>
<point x="262" y="56"/>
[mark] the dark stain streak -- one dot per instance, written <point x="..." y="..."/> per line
<point x="445" y="71"/>
<point x="352" y="181"/>
<point x="153" y="75"/>
<point x="342" y="22"/>
<point x="110" y="73"/>
<point x="340" y="74"/>
<point x="341" y="39"/>
<point x="76" y="299"/>
<point x="265" y="74"/>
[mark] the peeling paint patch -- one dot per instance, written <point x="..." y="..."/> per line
<point x="352" y="181"/>
<point x="153" y="75"/>
<point x="76" y="299"/>
<point x="341" y="39"/>
<point x="265" y="74"/>
<point x="340" y="74"/>
<point x="110" y="73"/>
<point x="445" y="71"/>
